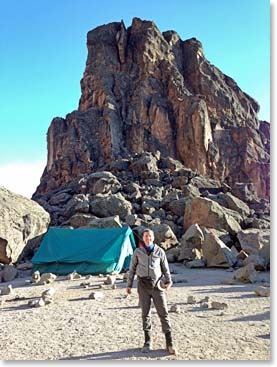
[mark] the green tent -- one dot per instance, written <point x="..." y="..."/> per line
<point x="87" y="251"/>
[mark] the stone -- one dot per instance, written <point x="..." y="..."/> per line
<point x="78" y="220"/>
<point x="146" y="163"/>
<point x="219" y="305"/>
<point x="35" y="277"/>
<point x="197" y="263"/>
<point x="177" y="207"/>
<point x="46" y="278"/>
<point x="230" y="201"/>
<point x="242" y="255"/>
<point x="110" y="280"/>
<point x="79" y="203"/>
<point x="246" y="274"/>
<point x="48" y="296"/>
<point x="205" y="304"/>
<point x="108" y="222"/>
<point x="74" y="276"/>
<point x="210" y="214"/>
<point x="6" y="290"/>
<point x="256" y="241"/>
<point x="215" y="252"/>
<point x="9" y="273"/>
<point x="132" y="220"/>
<point x="175" y="308"/>
<point x="49" y="292"/>
<point x="262" y="291"/>
<point x="205" y="299"/>
<point x="192" y="239"/>
<point x="59" y="198"/>
<point x="21" y="220"/>
<point x="107" y="206"/>
<point x="96" y="295"/>
<point x="40" y="303"/>
<point x="258" y="261"/>
<point x="191" y="300"/>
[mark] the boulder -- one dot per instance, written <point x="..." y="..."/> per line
<point x="215" y="252"/>
<point x="193" y="238"/>
<point x="108" y="222"/>
<point x="21" y="220"/>
<point x="164" y="236"/>
<point x="107" y="206"/>
<point x="245" y="191"/>
<point x="258" y="261"/>
<point x="246" y="274"/>
<point x="232" y="202"/>
<point x="79" y="220"/>
<point x="146" y="162"/>
<point x="210" y="214"/>
<point x="171" y="164"/>
<point x="190" y="190"/>
<point x="59" y="198"/>
<point x="79" y="203"/>
<point x="262" y="291"/>
<point x="256" y="241"/>
<point x="177" y="207"/>
<point x="104" y="185"/>
<point x="9" y="273"/>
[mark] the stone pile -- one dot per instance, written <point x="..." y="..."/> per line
<point x="200" y="221"/>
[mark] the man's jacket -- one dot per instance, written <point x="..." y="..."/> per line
<point x="153" y="265"/>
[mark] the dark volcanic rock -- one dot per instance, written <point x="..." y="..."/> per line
<point x="143" y="91"/>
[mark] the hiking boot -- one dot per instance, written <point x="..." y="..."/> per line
<point x="146" y="348"/>
<point x="147" y="342"/>
<point x="169" y="343"/>
<point x="172" y="350"/>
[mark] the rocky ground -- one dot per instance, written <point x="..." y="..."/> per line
<point x="76" y="327"/>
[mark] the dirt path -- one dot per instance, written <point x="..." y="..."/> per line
<point x="75" y="327"/>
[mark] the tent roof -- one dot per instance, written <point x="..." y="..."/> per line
<point x="83" y="244"/>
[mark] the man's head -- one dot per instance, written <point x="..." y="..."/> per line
<point x="148" y="237"/>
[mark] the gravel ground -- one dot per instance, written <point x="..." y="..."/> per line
<point x="75" y="327"/>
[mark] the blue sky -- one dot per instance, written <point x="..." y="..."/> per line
<point x="43" y="54"/>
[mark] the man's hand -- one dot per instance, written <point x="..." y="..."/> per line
<point x="129" y="290"/>
<point x="167" y="285"/>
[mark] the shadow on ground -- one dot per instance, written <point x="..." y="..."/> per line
<point x="121" y="354"/>
<point x="261" y="317"/>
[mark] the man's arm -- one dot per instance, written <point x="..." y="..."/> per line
<point x="165" y="268"/>
<point x="132" y="270"/>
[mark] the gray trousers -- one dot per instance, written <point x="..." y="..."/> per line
<point x="160" y="303"/>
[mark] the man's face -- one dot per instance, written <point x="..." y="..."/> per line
<point x="148" y="238"/>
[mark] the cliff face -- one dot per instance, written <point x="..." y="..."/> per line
<point x="143" y="90"/>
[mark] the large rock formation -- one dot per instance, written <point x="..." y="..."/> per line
<point x="143" y="90"/>
<point x="21" y="220"/>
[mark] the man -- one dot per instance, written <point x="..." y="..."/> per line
<point x="150" y="264"/>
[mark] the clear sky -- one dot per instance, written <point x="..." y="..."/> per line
<point x="43" y="54"/>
